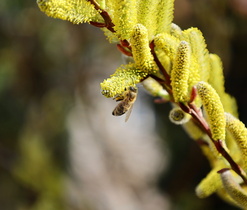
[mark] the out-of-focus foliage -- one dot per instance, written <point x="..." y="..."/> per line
<point x="34" y="100"/>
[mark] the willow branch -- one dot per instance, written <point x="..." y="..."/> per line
<point x="193" y="111"/>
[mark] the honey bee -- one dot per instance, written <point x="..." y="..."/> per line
<point x="127" y="100"/>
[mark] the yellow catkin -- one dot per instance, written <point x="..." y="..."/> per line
<point x="194" y="76"/>
<point x="232" y="145"/>
<point x="234" y="189"/>
<point x="164" y="16"/>
<point x="217" y="81"/>
<point x="230" y="104"/>
<point x="146" y="15"/>
<point x="169" y="44"/>
<point x="164" y="60"/>
<point x="102" y="4"/>
<point x="155" y="88"/>
<point x="124" y="77"/>
<point x="199" y="51"/>
<point x="176" y="31"/>
<point x="180" y="73"/>
<point x="156" y="15"/>
<point x="214" y="109"/>
<point x="75" y="11"/>
<point x="210" y="184"/>
<point x="226" y="197"/>
<point x="124" y="16"/>
<point x="141" y="50"/>
<point x="239" y="133"/>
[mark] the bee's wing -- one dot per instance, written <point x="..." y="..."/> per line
<point x="128" y="113"/>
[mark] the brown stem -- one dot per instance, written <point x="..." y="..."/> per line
<point x="193" y="94"/>
<point x="99" y="25"/>
<point x="202" y="142"/>
<point x="161" y="81"/>
<point x="125" y="43"/>
<point x="108" y="21"/>
<point x="162" y="69"/>
<point x="123" y="49"/>
<point x="219" y="145"/>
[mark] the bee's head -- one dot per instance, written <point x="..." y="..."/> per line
<point x="133" y="89"/>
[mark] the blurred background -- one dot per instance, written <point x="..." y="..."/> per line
<point x="60" y="147"/>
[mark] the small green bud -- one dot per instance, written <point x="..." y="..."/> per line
<point x="155" y="88"/>
<point x="178" y="116"/>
